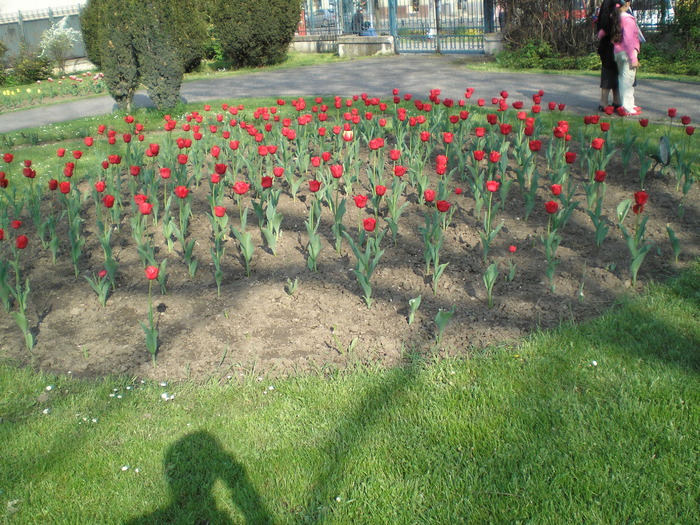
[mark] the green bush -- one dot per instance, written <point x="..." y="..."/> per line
<point x="3" y="75"/>
<point x="151" y="42"/>
<point x="91" y="16"/>
<point x="256" y="32"/>
<point x="118" y="57"/>
<point x="184" y="24"/>
<point x="160" y="65"/>
<point x="31" y="67"/>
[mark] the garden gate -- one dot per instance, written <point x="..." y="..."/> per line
<point x="418" y="26"/>
<point x="442" y="26"/>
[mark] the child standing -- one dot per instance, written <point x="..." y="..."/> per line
<point x="625" y="37"/>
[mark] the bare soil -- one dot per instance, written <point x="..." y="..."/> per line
<point x="256" y="326"/>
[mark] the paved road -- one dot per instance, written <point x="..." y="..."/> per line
<point x="415" y="74"/>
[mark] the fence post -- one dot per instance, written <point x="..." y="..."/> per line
<point x="488" y="16"/>
<point x="393" y="28"/>
<point x="437" y="27"/>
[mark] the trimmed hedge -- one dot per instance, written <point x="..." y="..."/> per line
<point x="255" y="33"/>
<point x="151" y="42"/>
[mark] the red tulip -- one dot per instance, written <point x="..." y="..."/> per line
<point x="535" y="145"/>
<point x="182" y="159"/>
<point x="443" y="206"/>
<point x="53" y="184"/>
<point x="114" y="159"/>
<point x="551" y="207"/>
<point x="478" y="155"/>
<point x="88" y="141"/>
<point x="336" y="170"/>
<point x="605" y="127"/>
<point x="21" y="242"/>
<point x="140" y="198"/>
<point x="492" y="185"/>
<point x="494" y="156"/>
<point x="380" y="190"/>
<point x="240" y="187"/>
<point x="165" y="173"/>
<point x="369" y="224"/>
<point x="108" y="201"/>
<point x="7" y="157"/>
<point x="314" y="185"/>
<point x="685" y="120"/>
<point x="400" y="171"/>
<point x="600" y="176"/>
<point x="145" y="208"/>
<point x="641" y="197"/>
<point x="394" y="154"/>
<point x="152" y="273"/>
<point x="60" y="152"/>
<point x="480" y="132"/>
<point x="2" y="234"/>
<point x="556" y="189"/>
<point x="597" y="143"/>
<point x="672" y="112"/>
<point x="570" y="157"/>
<point x="266" y="182"/>
<point x="64" y="187"/>
<point x="181" y="191"/>
<point x="429" y="195"/>
<point x="77" y="154"/>
<point x="16" y="224"/>
<point x="644" y="122"/>
<point x="100" y="186"/>
<point x="361" y="200"/>
<point x="689" y="130"/>
<point x="155" y="149"/>
<point x="512" y="248"/>
<point x="219" y="211"/>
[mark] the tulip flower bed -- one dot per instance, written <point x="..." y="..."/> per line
<point x="82" y="84"/>
<point x="328" y="232"/>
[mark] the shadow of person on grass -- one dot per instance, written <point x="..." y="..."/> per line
<point x="192" y="465"/>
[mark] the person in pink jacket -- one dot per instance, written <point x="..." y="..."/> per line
<point x="625" y="37"/>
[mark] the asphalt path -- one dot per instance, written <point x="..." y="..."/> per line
<point x="415" y="74"/>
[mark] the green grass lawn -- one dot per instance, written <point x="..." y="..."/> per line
<point x="598" y="423"/>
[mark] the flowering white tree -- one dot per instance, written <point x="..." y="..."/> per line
<point x="58" y="41"/>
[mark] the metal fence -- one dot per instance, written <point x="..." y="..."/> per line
<point x="417" y="25"/>
<point x="28" y="27"/>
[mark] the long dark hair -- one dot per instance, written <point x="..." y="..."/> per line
<point x="605" y="13"/>
<point x="616" y="26"/>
